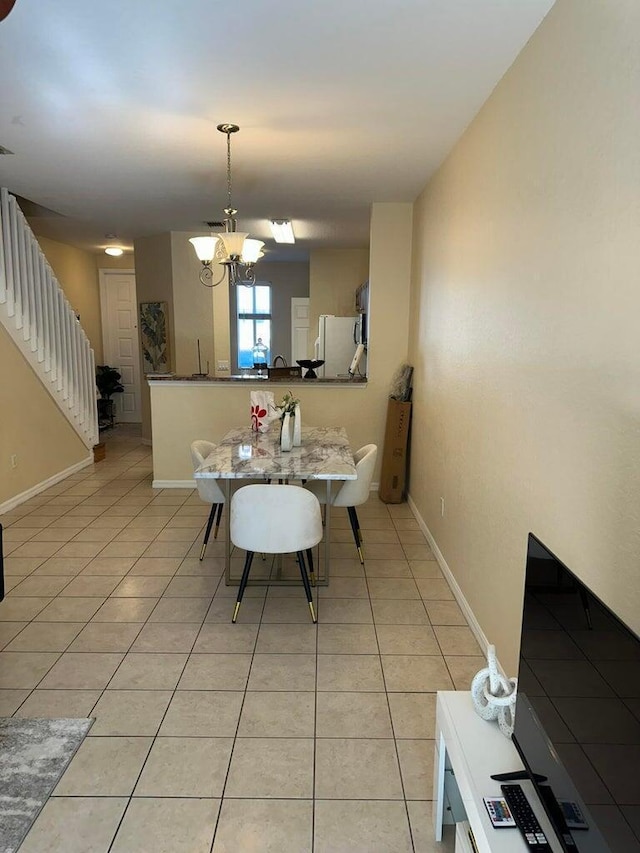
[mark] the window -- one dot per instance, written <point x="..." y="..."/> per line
<point x="253" y="312"/>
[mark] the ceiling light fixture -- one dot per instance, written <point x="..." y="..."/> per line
<point x="232" y="249"/>
<point x="282" y="230"/>
<point x="114" y="251"/>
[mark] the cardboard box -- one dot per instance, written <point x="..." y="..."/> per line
<point x="394" y="457"/>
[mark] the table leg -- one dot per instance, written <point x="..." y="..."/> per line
<point x="327" y="532"/>
<point x="227" y="533"/>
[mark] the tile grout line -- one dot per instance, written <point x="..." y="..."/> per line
<point x="235" y="737"/>
<point x="173" y="511"/>
<point x="386" y="693"/>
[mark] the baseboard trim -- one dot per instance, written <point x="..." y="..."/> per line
<point x="448" y="575"/>
<point x="146" y="441"/>
<point x="173" y="484"/>
<point x="7" y="506"/>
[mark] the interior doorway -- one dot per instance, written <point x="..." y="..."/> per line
<point x="299" y="328"/>
<point x="119" y="305"/>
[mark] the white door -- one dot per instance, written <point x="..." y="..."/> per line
<point x="120" y="338"/>
<point x="299" y="328"/>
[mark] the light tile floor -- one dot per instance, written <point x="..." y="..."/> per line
<point x="269" y="735"/>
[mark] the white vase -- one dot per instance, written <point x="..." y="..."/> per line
<point x="297" y="427"/>
<point x="286" y="438"/>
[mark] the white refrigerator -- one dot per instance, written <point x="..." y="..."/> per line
<point x="336" y="344"/>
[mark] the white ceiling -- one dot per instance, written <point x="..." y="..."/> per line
<point x="111" y="108"/>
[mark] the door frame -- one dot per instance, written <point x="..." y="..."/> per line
<point x="299" y="300"/>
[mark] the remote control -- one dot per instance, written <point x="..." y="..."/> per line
<point x="525" y="819"/>
<point x="499" y="813"/>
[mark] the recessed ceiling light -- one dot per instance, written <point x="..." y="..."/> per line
<point x="282" y="230"/>
<point x="114" y="250"/>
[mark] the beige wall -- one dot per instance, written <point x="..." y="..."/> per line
<point x="108" y="262"/>
<point x="334" y="276"/>
<point x="154" y="284"/>
<point x="524" y="329"/>
<point x="389" y="293"/>
<point x="192" y="308"/>
<point x="189" y="411"/>
<point x="31" y="426"/>
<point x="77" y="274"/>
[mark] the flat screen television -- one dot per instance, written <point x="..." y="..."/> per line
<point x="577" y="718"/>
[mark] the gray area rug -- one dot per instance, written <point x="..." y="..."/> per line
<point x="33" y="756"/>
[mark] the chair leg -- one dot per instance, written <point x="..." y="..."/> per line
<point x="353" y="518"/>
<point x="311" y="571"/>
<point x="360" y="536"/>
<point x="219" y="516"/>
<point x="307" y="587"/>
<point x="243" y="583"/>
<point x="208" y="530"/>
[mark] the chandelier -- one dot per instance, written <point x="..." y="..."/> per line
<point x="233" y="250"/>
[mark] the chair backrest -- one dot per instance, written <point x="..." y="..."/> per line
<point x="356" y="492"/>
<point x="208" y="490"/>
<point x="275" y="519"/>
<point x="199" y="451"/>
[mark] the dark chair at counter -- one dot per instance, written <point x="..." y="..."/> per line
<point x="208" y="490"/>
<point x="353" y="492"/>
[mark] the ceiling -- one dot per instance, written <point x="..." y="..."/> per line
<point x="111" y="109"/>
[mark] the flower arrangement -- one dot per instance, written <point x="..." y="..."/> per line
<point x="288" y="404"/>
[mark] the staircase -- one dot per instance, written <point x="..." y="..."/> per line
<point x="40" y="320"/>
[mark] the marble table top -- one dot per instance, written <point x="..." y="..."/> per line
<point x="324" y="454"/>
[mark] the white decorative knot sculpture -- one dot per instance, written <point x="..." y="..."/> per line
<point x="494" y="697"/>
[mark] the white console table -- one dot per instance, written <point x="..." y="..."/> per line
<point x="468" y="750"/>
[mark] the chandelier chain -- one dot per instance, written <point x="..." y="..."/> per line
<point x="229" y="170"/>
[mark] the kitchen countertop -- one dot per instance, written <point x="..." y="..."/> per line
<point x="286" y="380"/>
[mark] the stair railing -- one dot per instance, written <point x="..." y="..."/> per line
<point x="39" y="318"/>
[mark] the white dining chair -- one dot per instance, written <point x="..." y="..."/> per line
<point x="353" y="492"/>
<point x="208" y="490"/>
<point x="275" y="519"/>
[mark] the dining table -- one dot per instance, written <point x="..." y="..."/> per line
<point x="244" y="454"/>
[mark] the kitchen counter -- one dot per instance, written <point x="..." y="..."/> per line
<point x="286" y="380"/>
<point x="185" y="408"/>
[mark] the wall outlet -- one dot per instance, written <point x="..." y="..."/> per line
<point x="223" y="365"/>
<point x="442" y="507"/>
<point x="14" y="460"/>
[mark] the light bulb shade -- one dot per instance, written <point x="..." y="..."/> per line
<point x="205" y="247"/>
<point x="233" y="242"/>
<point x="114" y="251"/>
<point x="251" y="251"/>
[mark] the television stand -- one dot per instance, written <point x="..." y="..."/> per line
<point x="468" y="750"/>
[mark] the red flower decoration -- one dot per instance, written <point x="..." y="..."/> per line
<point x="257" y="413"/>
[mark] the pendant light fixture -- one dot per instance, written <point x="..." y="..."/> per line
<point x="233" y="250"/>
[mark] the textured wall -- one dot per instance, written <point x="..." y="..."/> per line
<point x="524" y="329"/>
<point x="334" y="276"/>
<point x="31" y="426"/>
<point x="77" y="275"/>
